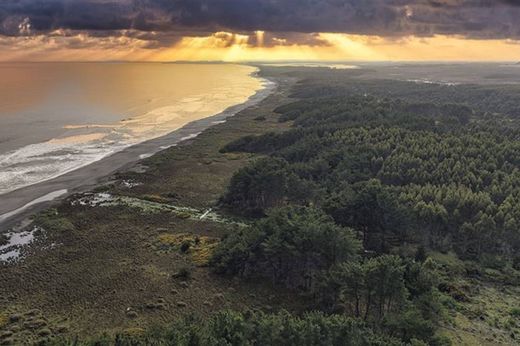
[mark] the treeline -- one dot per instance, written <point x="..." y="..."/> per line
<point x="251" y="328"/>
<point x="351" y="111"/>
<point x="502" y="98"/>
<point x="441" y="178"/>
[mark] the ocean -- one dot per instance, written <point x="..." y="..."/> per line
<point x="56" y="118"/>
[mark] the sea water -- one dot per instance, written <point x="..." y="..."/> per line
<point x="55" y="118"/>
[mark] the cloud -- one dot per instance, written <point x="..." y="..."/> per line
<point x="163" y="22"/>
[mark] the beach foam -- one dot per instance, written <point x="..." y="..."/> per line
<point x="43" y="161"/>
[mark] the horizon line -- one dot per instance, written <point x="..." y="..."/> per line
<point x="243" y="62"/>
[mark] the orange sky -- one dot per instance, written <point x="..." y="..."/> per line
<point x="349" y="47"/>
<point x="234" y="47"/>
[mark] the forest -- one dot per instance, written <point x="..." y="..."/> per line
<point x="444" y="178"/>
<point x="357" y="178"/>
<point x="486" y="98"/>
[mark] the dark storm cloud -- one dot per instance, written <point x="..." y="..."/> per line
<point x="167" y="19"/>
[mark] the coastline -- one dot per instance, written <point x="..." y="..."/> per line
<point x="18" y="205"/>
<point x="81" y="266"/>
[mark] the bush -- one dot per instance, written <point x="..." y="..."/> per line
<point x="185" y="246"/>
<point x="4" y="239"/>
<point x="515" y="312"/>
<point x="52" y="221"/>
<point x="183" y="273"/>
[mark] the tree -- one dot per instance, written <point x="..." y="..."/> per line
<point x="255" y="188"/>
<point x="372" y="288"/>
<point x="290" y="246"/>
<point x="371" y="209"/>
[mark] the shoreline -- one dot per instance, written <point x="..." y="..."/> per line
<point x="89" y="263"/>
<point x="20" y="204"/>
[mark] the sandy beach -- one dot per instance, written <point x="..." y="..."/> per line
<point x="18" y="205"/>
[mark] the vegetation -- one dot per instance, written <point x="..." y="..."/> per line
<point x="303" y="249"/>
<point x="493" y="99"/>
<point x="291" y="247"/>
<point x="365" y="176"/>
<point x="447" y="181"/>
<point x="252" y="328"/>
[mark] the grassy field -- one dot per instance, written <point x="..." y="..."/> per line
<point x="485" y="310"/>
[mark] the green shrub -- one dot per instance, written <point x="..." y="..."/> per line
<point x="185" y="246"/>
<point x="515" y="312"/>
<point x="51" y="220"/>
<point x="183" y="215"/>
<point x="183" y="273"/>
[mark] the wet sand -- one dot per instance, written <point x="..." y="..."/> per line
<point x="18" y="205"/>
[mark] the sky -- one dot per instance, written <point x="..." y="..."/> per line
<point x="260" y="30"/>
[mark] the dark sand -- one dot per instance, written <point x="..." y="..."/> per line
<point x="18" y="205"/>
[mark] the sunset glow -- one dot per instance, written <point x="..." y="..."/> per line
<point x="231" y="47"/>
<point x="258" y="30"/>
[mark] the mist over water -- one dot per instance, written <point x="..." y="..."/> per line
<point x="55" y="118"/>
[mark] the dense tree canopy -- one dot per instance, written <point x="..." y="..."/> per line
<point x="253" y="328"/>
<point x="444" y="176"/>
<point x="380" y="172"/>
<point x="290" y="246"/>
